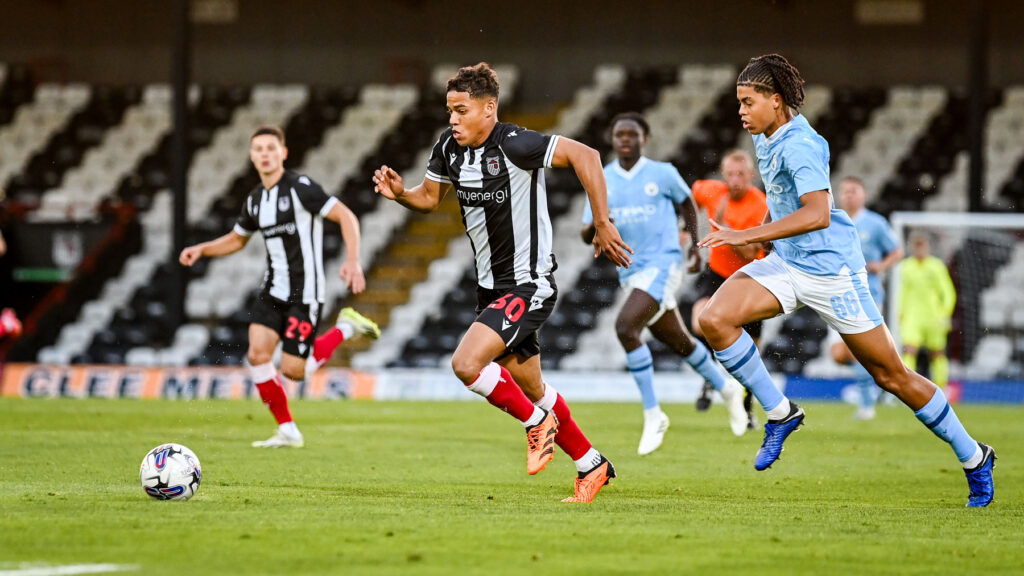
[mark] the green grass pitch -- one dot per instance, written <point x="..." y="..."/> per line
<point x="441" y="488"/>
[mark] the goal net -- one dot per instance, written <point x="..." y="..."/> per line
<point x="985" y="257"/>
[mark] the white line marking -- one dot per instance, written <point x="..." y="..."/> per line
<point x="70" y="569"/>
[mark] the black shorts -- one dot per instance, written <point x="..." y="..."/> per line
<point x="294" y="323"/>
<point x="708" y="282"/>
<point x="516" y="314"/>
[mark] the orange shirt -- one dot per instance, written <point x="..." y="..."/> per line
<point x="713" y="196"/>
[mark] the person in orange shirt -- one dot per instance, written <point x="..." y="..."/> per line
<point x="735" y="203"/>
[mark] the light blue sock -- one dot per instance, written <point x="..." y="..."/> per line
<point x="705" y="366"/>
<point x="641" y="365"/>
<point x="939" y="416"/>
<point x="744" y="362"/>
<point x="865" y="384"/>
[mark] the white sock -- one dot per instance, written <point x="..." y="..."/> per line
<point x="290" y="429"/>
<point x="486" y="380"/>
<point x="652" y="412"/>
<point x="547" y="401"/>
<point x="262" y="372"/>
<point x="973" y="461"/>
<point x="780" y="411"/>
<point x="588" y="461"/>
<point x="312" y="365"/>
<point x="347" y="329"/>
<point x="536" y="418"/>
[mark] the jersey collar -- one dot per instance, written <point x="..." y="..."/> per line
<point x="799" y="118"/>
<point x="629" y="174"/>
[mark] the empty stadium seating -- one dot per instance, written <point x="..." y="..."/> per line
<point x="68" y="151"/>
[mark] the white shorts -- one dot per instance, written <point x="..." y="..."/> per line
<point x="844" y="302"/>
<point x="661" y="283"/>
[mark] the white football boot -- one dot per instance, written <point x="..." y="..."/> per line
<point x="655" y="426"/>
<point x="280" y="440"/>
<point x="732" y="393"/>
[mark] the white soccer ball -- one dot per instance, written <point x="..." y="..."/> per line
<point x="170" y="472"/>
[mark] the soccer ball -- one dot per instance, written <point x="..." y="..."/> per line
<point x="170" y="472"/>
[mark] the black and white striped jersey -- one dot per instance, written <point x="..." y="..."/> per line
<point x="290" y="215"/>
<point x="500" y="187"/>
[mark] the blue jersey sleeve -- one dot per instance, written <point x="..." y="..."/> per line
<point x="808" y="165"/>
<point x="677" y="190"/>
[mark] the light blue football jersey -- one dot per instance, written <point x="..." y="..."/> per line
<point x="794" y="162"/>
<point x="876" y="241"/>
<point x="641" y="202"/>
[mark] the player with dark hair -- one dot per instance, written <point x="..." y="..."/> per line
<point x="288" y="209"/>
<point x="496" y="172"/>
<point x="881" y="251"/>
<point x="736" y="203"/>
<point x="644" y="197"/>
<point x="816" y="261"/>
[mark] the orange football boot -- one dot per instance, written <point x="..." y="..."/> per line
<point x="590" y="483"/>
<point x="540" y="443"/>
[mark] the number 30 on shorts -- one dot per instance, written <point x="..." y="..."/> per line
<point x="513" y="310"/>
<point x="846" y="305"/>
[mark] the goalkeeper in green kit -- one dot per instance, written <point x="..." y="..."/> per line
<point x="927" y="300"/>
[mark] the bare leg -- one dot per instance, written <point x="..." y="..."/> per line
<point x="473" y="363"/>
<point x="670" y="330"/>
<point x="739" y="301"/>
<point x="639" y="308"/>
<point x="877" y="352"/>
<point x="636" y="312"/>
<point x="698" y="307"/>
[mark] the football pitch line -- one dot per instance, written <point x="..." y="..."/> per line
<point x="67" y="570"/>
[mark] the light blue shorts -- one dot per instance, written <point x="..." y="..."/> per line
<point x="843" y="301"/>
<point x="661" y="282"/>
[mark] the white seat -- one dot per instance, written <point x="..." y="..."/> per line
<point x="141" y="356"/>
<point x="174" y="357"/>
<point x="53" y="355"/>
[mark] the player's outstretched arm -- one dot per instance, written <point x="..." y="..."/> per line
<point x="351" y="272"/>
<point x="227" y="244"/>
<point x="423" y="198"/>
<point x="586" y="162"/>
<point x="3" y="245"/>
<point x="813" y="215"/>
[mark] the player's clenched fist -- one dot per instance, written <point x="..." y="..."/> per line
<point x="190" y="255"/>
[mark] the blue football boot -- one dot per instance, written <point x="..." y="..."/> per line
<point x="775" y="433"/>
<point x="979" y="479"/>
